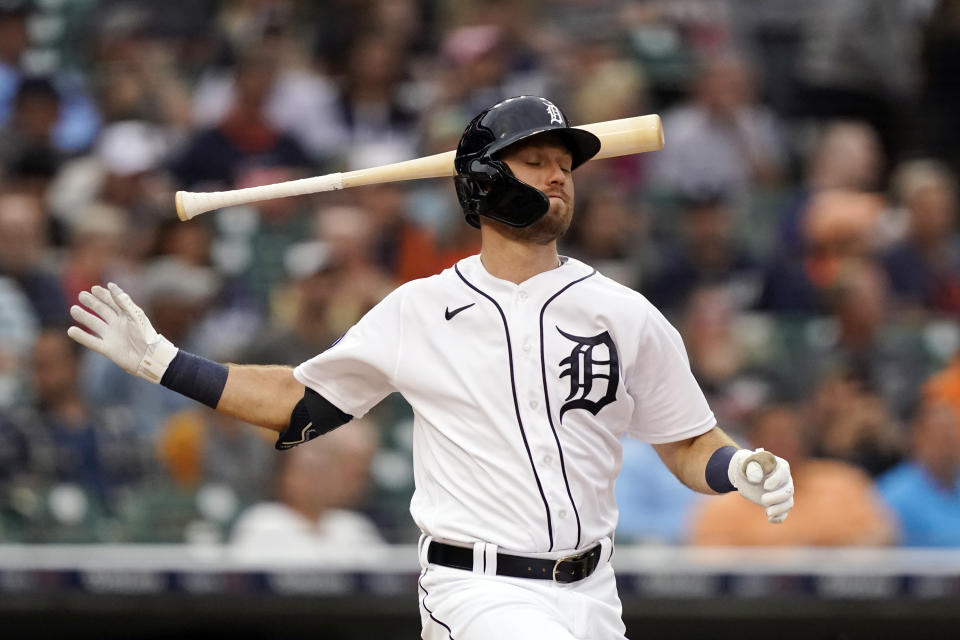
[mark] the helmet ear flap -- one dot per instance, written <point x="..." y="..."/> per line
<point x="499" y="195"/>
<point x="485" y="173"/>
<point x="475" y="185"/>
<point x="470" y="195"/>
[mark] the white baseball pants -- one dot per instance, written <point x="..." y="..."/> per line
<point x="461" y="605"/>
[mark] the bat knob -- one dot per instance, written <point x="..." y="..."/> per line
<point x="181" y="210"/>
<point x="758" y="464"/>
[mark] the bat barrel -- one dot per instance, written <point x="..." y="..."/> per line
<point x="627" y="135"/>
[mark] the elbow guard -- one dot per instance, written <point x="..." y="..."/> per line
<point x="313" y="416"/>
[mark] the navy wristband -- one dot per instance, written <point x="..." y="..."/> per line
<point x="195" y="377"/>
<point x="716" y="472"/>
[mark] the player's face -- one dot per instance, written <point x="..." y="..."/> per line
<point x="543" y="162"/>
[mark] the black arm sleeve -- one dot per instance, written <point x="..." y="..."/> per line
<point x="313" y="416"/>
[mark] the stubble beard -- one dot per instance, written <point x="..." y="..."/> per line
<point x="549" y="228"/>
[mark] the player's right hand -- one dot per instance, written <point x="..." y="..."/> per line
<point x="122" y="332"/>
<point x="771" y="487"/>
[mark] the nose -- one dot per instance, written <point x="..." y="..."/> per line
<point x="556" y="175"/>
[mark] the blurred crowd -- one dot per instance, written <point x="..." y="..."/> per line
<point x="800" y="229"/>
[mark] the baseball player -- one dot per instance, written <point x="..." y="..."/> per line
<point x="523" y="368"/>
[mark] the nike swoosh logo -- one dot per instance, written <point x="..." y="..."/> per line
<point x="449" y="314"/>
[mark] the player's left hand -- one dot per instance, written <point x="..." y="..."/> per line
<point x="764" y="479"/>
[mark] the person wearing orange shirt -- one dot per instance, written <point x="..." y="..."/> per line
<point x="944" y="386"/>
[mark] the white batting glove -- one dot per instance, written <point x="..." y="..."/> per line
<point x="122" y="333"/>
<point x="763" y="479"/>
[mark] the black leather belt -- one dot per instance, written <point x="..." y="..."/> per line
<point x="564" y="570"/>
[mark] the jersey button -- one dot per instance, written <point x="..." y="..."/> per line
<point x="523" y="295"/>
<point x="563" y="513"/>
<point x="527" y="346"/>
<point x="547" y="459"/>
<point x="534" y="404"/>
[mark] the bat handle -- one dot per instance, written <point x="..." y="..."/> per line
<point x="191" y="204"/>
<point x="758" y="465"/>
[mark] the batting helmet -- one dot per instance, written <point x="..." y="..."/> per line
<point x="485" y="185"/>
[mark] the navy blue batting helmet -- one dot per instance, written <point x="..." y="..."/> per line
<point x="485" y="185"/>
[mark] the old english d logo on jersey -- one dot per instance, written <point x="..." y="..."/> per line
<point x="591" y="359"/>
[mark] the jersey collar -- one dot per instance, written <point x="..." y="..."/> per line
<point x="569" y="270"/>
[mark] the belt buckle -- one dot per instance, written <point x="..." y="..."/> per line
<point x="556" y="565"/>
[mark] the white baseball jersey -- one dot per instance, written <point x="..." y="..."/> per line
<point x="520" y="395"/>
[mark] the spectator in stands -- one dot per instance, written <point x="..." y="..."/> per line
<point x="609" y="233"/>
<point x="402" y="247"/>
<point x="78" y="119"/>
<point x="837" y="504"/>
<point x="866" y="346"/>
<point x="96" y="249"/>
<point x="24" y="257"/>
<point x="859" y="60"/>
<point x="477" y="66"/>
<point x="487" y="58"/>
<point x="235" y="314"/>
<point x="14" y="39"/>
<point x="34" y="113"/>
<point x="431" y="201"/>
<point x="852" y="423"/>
<point x="924" y="267"/>
<point x="721" y="137"/>
<point x="361" y="279"/>
<point x="304" y="99"/>
<point x="139" y="54"/>
<point x="14" y="454"/>
<point x="939" y="95"/>
<point x="707" y="254"/>
<point x="371" y="108"/>
<point x="123" y="171"/>
<point x="244" y="148"/>
<point x="315" y="512"/>
<point x="846" y="156"/>
<point x="31" y="172"/>
<point x="68" y="439"/>
<point x="607" y="85"/>
<point x="838" y="228"/>
<point x="735" y="381"/>
<point x="198" y="447"/>
<point x="604" y="84"/>
<point x="302" y="328"/>
<point x="18" y="328"/>
<point x="944" y="386"/>
<point x="924" y="491"/>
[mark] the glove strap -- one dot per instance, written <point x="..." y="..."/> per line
<point x="155" y="361"/>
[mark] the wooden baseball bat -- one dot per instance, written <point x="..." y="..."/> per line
<point x="617" y="137"/>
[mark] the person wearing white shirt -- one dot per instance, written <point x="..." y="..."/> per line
<point x="314" y="515"/>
